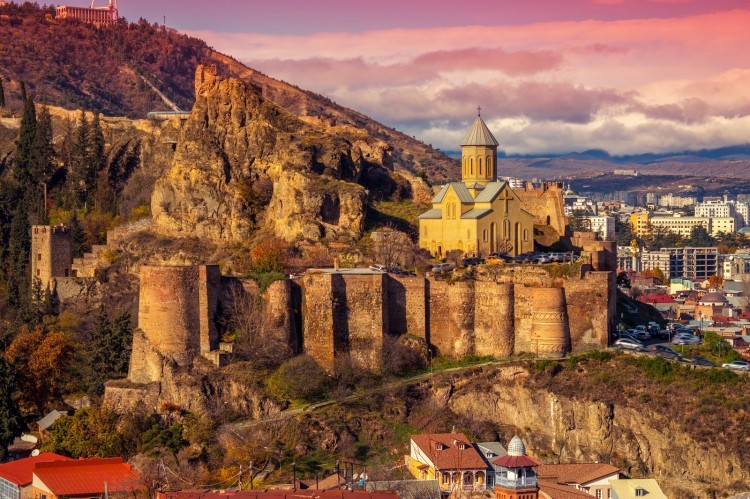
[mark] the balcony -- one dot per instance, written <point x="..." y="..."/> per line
<point x="517" y="483"/>
<point x="476" y="486"/>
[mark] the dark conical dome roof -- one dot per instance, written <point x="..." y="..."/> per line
<point x="479" y="135"/>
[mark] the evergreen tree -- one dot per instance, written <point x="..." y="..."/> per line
<point x="96" y="140"/>
<point x="700" y="238"/>
<point x="23" y="92"/>
<point x="24" y="158"/>
<point x="19" y="245"/>
<point x="122" y="334"/>
<point x="2" y="94"/>
<point x="10" y="414"/>
<point x="43" y="156"/>
<point x="78" y="243"/>
<point x="80" y="170"/>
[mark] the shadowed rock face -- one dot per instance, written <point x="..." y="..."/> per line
<point x="243" y="163"/>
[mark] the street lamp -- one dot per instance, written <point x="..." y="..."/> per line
<point x="294" y="476"/>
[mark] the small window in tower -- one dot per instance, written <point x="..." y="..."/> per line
<point x="484" y="235"/>
<point x="38" y="272"/>
<point x="36" y="230"/>
<point x="39" y="257"/>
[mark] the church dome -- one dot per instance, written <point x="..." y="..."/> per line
<point x="479" y="135"/>
<point x="713" y="297"/>
<point x="516" y="447"/>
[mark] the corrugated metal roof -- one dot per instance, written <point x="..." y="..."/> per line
<point x="462" y="192"/>
<point x="479" y="135"/>
<point x="431" y="214"/>
<point x="441" y="194"/>
<point x="490" y="192"/>
<point x="476" y="213"/>
<point x="50" y="418"/>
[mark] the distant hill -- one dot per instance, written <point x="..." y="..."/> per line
<point x="77" y="66"/>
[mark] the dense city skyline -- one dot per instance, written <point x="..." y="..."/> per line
<point x="628" y="76"/>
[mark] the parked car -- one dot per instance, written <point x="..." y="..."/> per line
<point x="643" y="335"/>
<point x="378" y="268"/>
<point x="628" y="344"/>
<point x="686" y="339"/>
<point x="737" y="365"/>
<point x="472" y="261"/>
<point x="702" y="361"/>
<point x="524" y="258"/>
<point x="541" y="259"/>
<point x="442" y="268"/>
<point x="493" y="260"/>
<point x="664" y="351"/>
<point x="503" y="256"/>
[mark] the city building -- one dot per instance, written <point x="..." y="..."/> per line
<point x="715" y="209"/>
<point x="647" y="488"/>
<point x="735" y="265"/>
<point x="640" y="223"/>
<point x="604" y="226"/>
<point x="520" y="481"/>
<point x="449" y="458"/>
<point x="724" y="225"/>
<point x="489" y="452"/>
<point x="591" y="478"/>
<point x="84" y="478"/>
<point x="16" y="476"/>
<point x="478" y="215"/>
<point x="679" y="224"/>
<point x="672" y="201"/>
<point x="99" y="16"/>
<point x="692" y="263"/>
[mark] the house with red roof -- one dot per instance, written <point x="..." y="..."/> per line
<point x="449" y="458"/>
<point x="84" y="478"/>
<point x="590" y="478"/>
<point x="16" y="476"/>
<point x="663" y="303"/>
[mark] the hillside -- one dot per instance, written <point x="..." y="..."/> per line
<point x="74" y="65"/>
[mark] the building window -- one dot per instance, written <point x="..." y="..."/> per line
<point x="484" y="235"/>
<point x="599" y="493"/>
<point x="639" y="492"/>
<point x="38" y="272"/>
<point x="525" y="234"/>
<point x="39" y="257"/>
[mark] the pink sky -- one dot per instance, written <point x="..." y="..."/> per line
<point x="628" y="76"/>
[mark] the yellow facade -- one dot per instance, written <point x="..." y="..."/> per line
<point x="641" y="223"/>
<point x="479" y="215"/>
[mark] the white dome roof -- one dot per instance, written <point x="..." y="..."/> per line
<point x="516" y="447"/>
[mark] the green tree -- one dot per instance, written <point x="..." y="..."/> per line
<point x="10" y="414"/>
<point x="24" y="157"/>
<point x="300" y="378"/>
<point x="78" y="244"/>
<point x="2" y="94"/>
<point x="109" y="349"/>
<point x="700" y="238"/>
<point x="97" y="158"/>
<point x="19" y="245"/>
<point x="43" y="156"/>
<point x="81" y="177"/>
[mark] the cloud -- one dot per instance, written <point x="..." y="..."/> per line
<point x="627" y="86"/>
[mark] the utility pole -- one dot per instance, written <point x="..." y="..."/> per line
<point x="240" y="476"/>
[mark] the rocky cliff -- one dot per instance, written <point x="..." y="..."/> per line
<point x="244" y="163"/>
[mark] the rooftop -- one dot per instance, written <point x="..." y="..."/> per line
<point x="274" y="494"/>
<point x="20" y="472"/>
<point x="450" y="456"/>
<point x="580" y="473"/>
<point x="87" y="476"/>
<point x="479" y="135"/>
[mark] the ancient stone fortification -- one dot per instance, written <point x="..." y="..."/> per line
<point x="546" y="203"/>
<point x="51" y="254"/>
<point x="354" y="314"/>
<point x="176" y="319"/>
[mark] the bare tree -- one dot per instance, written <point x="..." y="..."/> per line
<point x="259" y="334"/>
<point x="392" y="247"/>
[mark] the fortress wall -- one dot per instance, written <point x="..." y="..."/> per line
<point x="318" y="318"/>
<point x="146" y="365"/>
<point x="407" y="305"/>
<point x="522" y="311"/>
<point x="361" y="318"/>
<point x="545" y="201"/>
<point x="493" y="319"/>
<point x="209" y="289"/>
<point x="591" y="303"/>
<point x="550" y="334"/>
<point x="51" y="253"/>
<point x="281" y="311"/>
<point x="168" y="311"/>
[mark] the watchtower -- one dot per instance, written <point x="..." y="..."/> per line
<point x="51" y="253"/>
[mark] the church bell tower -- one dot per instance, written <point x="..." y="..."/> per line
<point x="478" y="155"/>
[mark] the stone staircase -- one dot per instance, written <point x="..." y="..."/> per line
<point x="95" y="259"/>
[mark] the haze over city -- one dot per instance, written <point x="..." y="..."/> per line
<point x="627" y="76"/>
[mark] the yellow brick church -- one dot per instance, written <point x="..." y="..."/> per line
<point x="479" y="215"/>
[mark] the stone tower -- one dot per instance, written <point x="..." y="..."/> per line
<point x="478" y="156"/>
<point x="520" y="479"/>
<point x="51" y="253"/>
<point x="550" y="333"/>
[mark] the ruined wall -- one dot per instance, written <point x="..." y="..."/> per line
<point x="546" y="203"/>
<point x="344" y="315"/>
<point x="494" y="324"/>
<point x="408" y="306"/>
<point x="591" y="304"/>
<point x="51" y="253"/>
<point x="209" y="287"/>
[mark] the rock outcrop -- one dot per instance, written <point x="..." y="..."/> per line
<point x="244" y="163"/>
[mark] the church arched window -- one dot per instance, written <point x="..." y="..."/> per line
<point x="525" y="234"/>
<point x="506" y="229"/>
<point x="484" y="235"/>
<point x="489" y="166"/>
<point x="471" y="166"/>
<point x="479" y="160"/>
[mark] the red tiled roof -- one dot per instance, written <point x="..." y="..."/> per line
<point x="580" y="473"/>
<point x="653" y="299"/>
<point x="559" y="491"/>
<point x="509" y="461"/>
<point x="275" y="494"/>
<point x="450" y="457"/>
<point x="87" y="476"/>
<point x="20" y="471"/>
